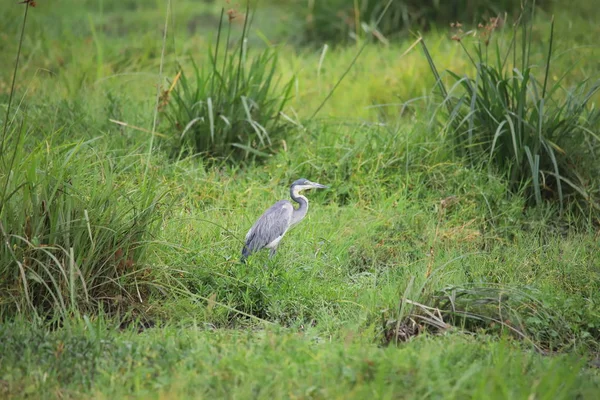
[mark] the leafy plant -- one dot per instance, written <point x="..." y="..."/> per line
<point x="231" y="107"/>
<point x="542" y="137"/>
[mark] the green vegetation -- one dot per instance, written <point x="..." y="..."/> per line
<point x="444" y="262"/>
<point x="541" y="136"/>
<point x="71" y="234"/>
<point x="178" y="363"/>
<point x="341" y="21"/>
<point x="231" y="110"/>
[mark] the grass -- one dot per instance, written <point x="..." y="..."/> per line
<point x="410" y="248"/>
<point x="340" y="21"/>
<point x="72" y="234"/>
<point x="539" y="136"/>
<point x="175" y="362"/>
<point x="230" y="108"/>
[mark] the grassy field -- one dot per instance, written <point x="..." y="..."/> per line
<point x="421" y="273"/>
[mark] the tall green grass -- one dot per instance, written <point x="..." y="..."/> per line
<point x="73" y="238"/>
<point x="511" y="116"/>
<point x="231" y="107"/>
<point x="74" y="225"/>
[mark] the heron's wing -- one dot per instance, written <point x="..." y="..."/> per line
<point x="270" y="226"/>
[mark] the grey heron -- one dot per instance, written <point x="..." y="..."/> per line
<point x="269" y="229"/>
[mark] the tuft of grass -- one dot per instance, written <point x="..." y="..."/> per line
<point x="73" y="238"/>
<point x="541" y="137"/>
<point x="231" y="107"/>
<point x="510" y="310"/>
<point x="73" y="232"/>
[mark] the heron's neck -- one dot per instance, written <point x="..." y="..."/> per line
<point x="301" y="211"/>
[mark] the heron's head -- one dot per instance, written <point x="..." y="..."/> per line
<point x="304" y="184"/>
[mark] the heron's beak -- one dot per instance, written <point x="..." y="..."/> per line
<point x="319" y="186"/>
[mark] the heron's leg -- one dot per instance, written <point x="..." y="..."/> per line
<point x="272" y="252"/>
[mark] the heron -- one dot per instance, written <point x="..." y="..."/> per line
<point x="270" y="228"/>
